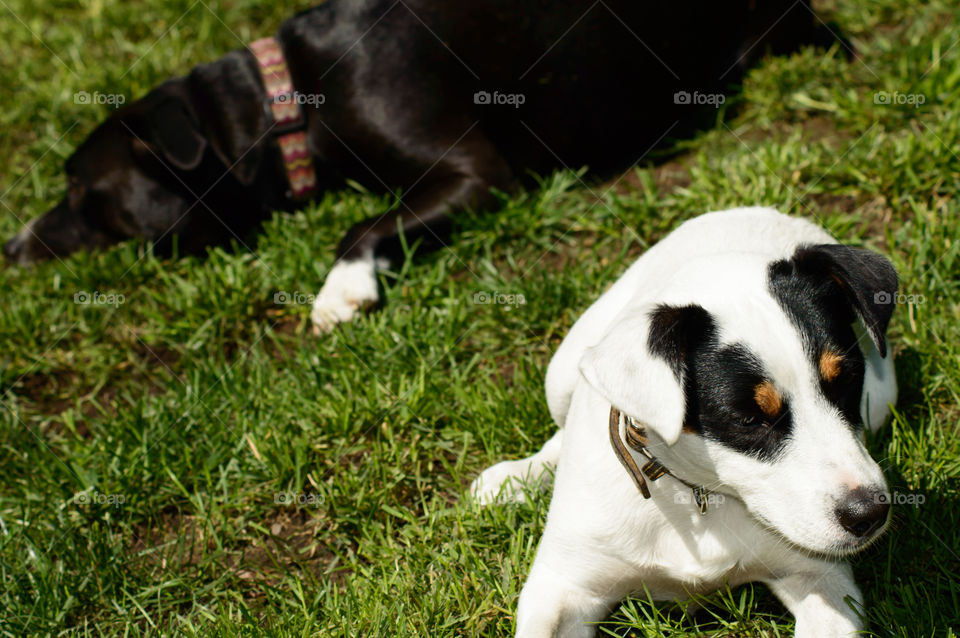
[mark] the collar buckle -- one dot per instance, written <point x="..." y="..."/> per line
<point x="702" y="498"/>
<point x="636" y="438"/>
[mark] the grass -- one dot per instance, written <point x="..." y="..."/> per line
<point x="188" y="460"/>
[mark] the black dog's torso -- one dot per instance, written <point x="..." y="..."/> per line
<point x="402" y="86"/>
<point x="598" y="79"/>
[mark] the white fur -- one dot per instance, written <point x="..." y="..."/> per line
<point x="350" y="287"/>
<point x="503" y="479"/>
<point x="602" y="540"/>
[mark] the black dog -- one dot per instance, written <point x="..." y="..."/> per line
<point x="440" y="101"/>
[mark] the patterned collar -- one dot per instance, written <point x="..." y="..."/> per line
<point x="290" y="123"/>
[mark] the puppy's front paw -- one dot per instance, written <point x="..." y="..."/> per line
<point x="350" y="288"/>
<point x="499" y="483"/>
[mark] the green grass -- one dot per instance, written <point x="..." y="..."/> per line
<point x="143" y="444"/>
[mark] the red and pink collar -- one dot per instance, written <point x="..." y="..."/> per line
<point x="290" y="123"/>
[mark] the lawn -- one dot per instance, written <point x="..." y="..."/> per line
<point x="182" y="457"/>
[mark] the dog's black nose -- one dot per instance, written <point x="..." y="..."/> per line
<point x="13" y="249"/>
<point x="863" y="511"/>
<point x="21" y="249"/>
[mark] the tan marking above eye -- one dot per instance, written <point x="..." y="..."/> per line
<point x="831" y="365"/>
<point x="768" y="398"/>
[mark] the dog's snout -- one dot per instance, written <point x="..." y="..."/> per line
<point x="863" y="511"/>
<point x="15" y="249"/>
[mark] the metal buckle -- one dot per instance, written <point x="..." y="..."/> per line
<point x="635" y="437"/>
<point x="702" y="497"/>
<point x="654" y="469"/>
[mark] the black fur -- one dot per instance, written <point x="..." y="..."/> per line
<point x="719" y="383"/>
<point x="195" y="158"/>
<point x="867" y="280"/>
<point x="823" y="289"/>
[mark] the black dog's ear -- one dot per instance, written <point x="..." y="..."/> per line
<point x="173" y="132"/>
<point x="868" y="280"/>
<point x="229" y="100"/>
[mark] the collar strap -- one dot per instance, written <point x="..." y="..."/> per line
<point x="289" y="122"/>
<point x="636" y="438"/>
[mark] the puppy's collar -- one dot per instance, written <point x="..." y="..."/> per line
<point x="636" y="438"/>
<point x="289" y="128"/>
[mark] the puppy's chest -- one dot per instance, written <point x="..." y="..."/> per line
<point x="695" y="563"/>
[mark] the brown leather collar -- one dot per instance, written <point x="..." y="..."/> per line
<point x="637" y="439"/>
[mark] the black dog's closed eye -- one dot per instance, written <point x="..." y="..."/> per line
<point x="75" y="192"/>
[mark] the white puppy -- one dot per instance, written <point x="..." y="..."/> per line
<point x="746" y="352"/>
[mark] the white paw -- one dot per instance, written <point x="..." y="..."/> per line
<point x="350" y="287"/>
<point x="501" y="483"/>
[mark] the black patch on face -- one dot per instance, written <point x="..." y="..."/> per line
<point x="674" y="331"/>
<point x="719" y="383"/>
<point x="868" y="282"/>
<point x="821" y="303"/>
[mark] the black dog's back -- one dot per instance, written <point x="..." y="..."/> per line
<point x="438" y="100"/>
<point x="597" y="80"/>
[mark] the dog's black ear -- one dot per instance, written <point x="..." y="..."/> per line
<point x="229" y="100"/>
<point x="868" y="280"/>
<point x="173" y="131"/>
<point x="640" y="364"/>
<point x="676" y="331"/>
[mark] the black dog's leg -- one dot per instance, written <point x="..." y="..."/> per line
<point x="425" y="217"/>
<point x="462" y="179"/>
